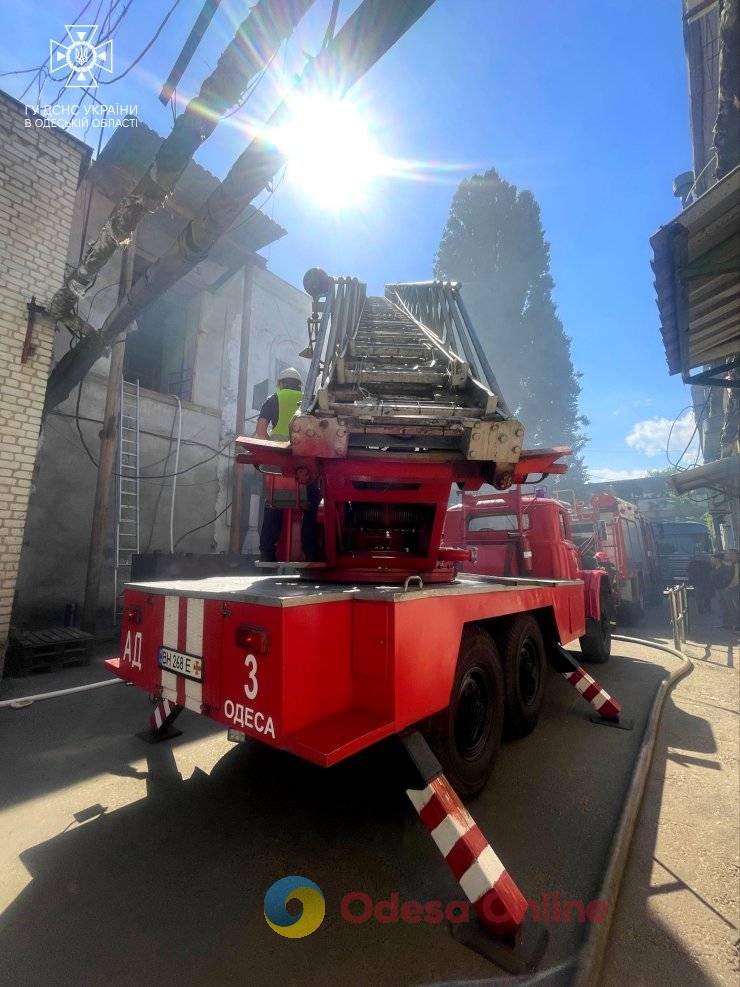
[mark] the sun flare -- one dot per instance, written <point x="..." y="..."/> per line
<point x="331" y="152"/>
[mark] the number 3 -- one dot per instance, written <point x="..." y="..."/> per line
<point x="251" y="688"/>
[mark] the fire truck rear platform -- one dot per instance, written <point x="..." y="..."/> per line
<point x="321" y="670"/>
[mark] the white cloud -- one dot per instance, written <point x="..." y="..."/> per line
<point x="651" y="436"/>
<point x="604" y="473"/>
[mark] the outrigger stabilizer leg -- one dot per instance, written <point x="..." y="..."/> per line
<point x="608" y="710"/>
<point x="163" y="716"/>
<point x="500" y="930"/>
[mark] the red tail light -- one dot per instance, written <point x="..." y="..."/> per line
<point x="253" y="639"/>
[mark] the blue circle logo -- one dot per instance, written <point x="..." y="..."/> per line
<point x="307" y="920"/>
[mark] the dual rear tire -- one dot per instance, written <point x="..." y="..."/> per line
<point x="498" y="688"/>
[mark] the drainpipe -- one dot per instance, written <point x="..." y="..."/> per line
<point x="237" y="479"/>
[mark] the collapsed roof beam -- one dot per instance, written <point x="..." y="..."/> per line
<point x="367" y="35"/>
<point x="256" y="41"/>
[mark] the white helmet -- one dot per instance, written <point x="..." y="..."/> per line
<point x="290" y="373"/>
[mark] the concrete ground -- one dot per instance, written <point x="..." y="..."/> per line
<point x="677" y="916"/>
<point x="124" y="862"/>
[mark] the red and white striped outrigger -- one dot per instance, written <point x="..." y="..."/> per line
<point x="501" y="932"/>
<point x="608" y="710"/>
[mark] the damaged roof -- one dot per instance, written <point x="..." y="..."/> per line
<point x="697" y="279"/>
<point x="122" y="162"/>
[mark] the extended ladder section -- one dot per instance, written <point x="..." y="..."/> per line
<point x="126" y="533"/>
<point x="407" y="372"/>
<point x="400" y="403"/>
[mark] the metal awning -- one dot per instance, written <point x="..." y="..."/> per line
<point x="697" y="281"/>
<point x="722" y="474"/>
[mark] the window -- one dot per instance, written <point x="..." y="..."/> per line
<point x="583" y="528"/>
<point x="161" y="353"/>
<point x="497" y="522"/>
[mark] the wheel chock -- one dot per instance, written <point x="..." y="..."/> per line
<point x="163" y="716"/>
<point x="498" y="929"/>
<point x="608" y="710"/>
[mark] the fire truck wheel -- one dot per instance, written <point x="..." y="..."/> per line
<point x="596" y="643"/>
<point x="525" y="668"/>
<point x="466" y="736"/>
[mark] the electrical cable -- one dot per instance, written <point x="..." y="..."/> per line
<point x="153" y="435"/>
<point x="251" y="88"/>
<point x="697" y="422"/>
<point x="274" y="186"/>
<point x="39" y="68"/>
<point x="204" y="525"/>
<point x="157" y="476"/>
<point x="79" y="427"/>
<point x="135" y="62"/>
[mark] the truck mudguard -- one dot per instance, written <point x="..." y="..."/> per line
<point x="592" y="590"/>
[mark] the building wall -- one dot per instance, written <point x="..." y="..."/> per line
<point x="57" y="540"/>
<point x="276" y="323"/>
<point x="39" y="174"/>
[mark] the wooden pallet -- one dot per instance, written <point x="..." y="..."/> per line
<point x="47" y="649"/>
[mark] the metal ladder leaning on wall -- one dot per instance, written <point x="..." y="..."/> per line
<point x="126" y="533"/>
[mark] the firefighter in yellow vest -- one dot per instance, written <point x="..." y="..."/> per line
<point x="273" y="421"/>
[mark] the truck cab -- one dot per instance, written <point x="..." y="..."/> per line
<point x="612" y="533"/>
<point x="515" y="535"/>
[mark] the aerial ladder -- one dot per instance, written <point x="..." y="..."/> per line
<point x="400" y="403"/>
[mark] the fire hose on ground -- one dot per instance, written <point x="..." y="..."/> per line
<point x="21" y="701"/>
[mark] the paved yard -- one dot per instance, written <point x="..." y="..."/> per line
<point x="125" y="862"/>
<point x="677" y="917"/>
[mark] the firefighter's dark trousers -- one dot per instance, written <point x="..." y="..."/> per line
<point x="272" y="524"/>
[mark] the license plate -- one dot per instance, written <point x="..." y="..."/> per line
<point x="176" y="661"/>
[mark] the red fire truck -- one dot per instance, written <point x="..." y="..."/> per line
<point x="613" y="534"/>
<point x="531" y="536"/>
<point x="383" y="636"/>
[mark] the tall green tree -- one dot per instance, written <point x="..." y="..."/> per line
<point x="495" y="245"/>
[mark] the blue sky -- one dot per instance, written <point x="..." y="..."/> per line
<point x="583" y="103"/>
